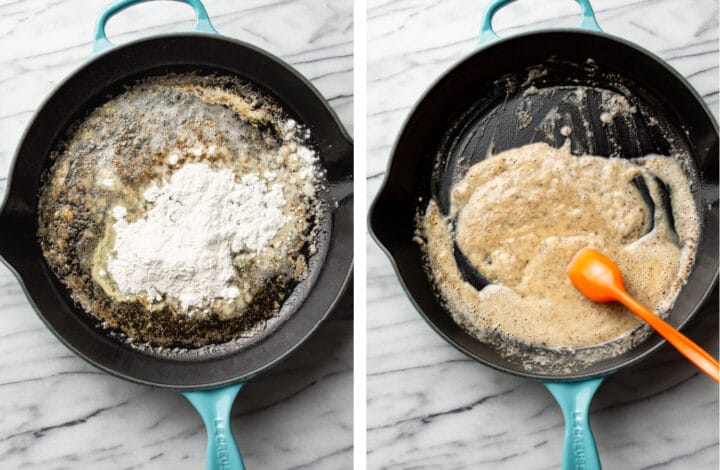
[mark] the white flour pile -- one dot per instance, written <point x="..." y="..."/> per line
<point x="184" y="212"/>
<point x="198" y="221"/>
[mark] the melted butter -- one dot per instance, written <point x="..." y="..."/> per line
<point x="520" y="216"/>
<point x="153" y="129"/>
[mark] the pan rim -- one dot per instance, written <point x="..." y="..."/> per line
<point x="381" y="194"/>
<point x="89" y="61"/>
<point x="331" y="300"/>
<point x="449" y="70"/>
<point x="180" y="386"/>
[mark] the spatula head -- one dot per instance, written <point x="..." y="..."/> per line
<point x="595" y="275"/>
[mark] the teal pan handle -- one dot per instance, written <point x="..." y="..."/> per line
<point x="101" y="43"/>
<point x="214" y="406"/>
<point x="488" y="34"/>
<point x="579" y="451"/>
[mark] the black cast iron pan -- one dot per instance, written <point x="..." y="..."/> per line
<point x="522" y="89"/>
<point x="309" y="304"/>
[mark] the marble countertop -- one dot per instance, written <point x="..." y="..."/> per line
<point x="429" y="406"/>
<point x="56" y="411"/>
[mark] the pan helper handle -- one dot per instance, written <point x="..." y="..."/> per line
<point x="214" y="406"/>
<point x="488" y="34"/>
<point x="202" y="21"/>
<point x="579" y="451"/>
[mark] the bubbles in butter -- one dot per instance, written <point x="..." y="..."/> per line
<point x="520" y="216"/>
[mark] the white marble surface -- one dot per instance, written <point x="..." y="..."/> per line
<point x="431" y="407"/>
<point x="56" y="411"/>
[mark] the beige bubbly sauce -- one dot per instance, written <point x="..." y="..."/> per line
<point x="520" y="216"/>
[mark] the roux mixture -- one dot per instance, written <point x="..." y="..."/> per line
<point x="520" y="216"/>
<point x="132" y="147"/>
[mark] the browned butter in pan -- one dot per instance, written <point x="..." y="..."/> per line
<point x="144" y="150"/>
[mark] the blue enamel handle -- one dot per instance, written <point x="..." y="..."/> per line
<point x="487" y="34"/>
<point x="202" y="21"/>
<point x="214" y="406"/>
<point x="579" y="451"/>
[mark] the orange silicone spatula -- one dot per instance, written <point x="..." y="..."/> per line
<point x="600" y="280"/>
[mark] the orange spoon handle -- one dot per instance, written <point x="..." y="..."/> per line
<point x="698" y="356"/>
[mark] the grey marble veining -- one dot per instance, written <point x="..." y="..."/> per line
<point x="56" y="411"/>
<point x="431" y="407"/>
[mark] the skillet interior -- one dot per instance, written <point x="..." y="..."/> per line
<point x="90" y="86"/>
<point x="481" y="98"/>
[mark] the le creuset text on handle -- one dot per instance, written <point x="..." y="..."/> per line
<point x="579" y="450"/>
<point x="214" y="407"/>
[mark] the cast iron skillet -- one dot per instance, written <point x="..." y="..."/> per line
<point x="475" y="108"/>
<point x="309" y="304"/>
